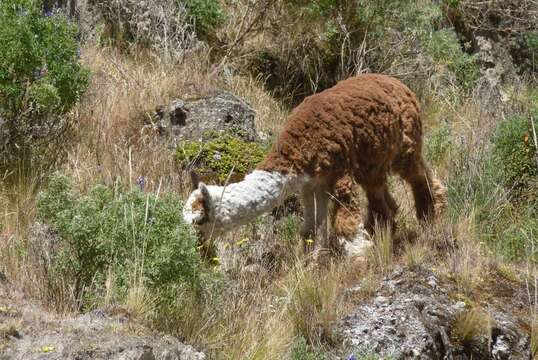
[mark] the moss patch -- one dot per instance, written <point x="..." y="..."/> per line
<point x="221" y="156"/>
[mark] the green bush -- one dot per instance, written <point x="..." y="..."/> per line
<point x="514" y="154"/>
<point x="40" y="77"/>
<point x="221" y="156"/>
<point x="205" y="14"/>
<point x="134" y="23"/>
<point x="318" y="43"/>
<point x="123" y="234"/>
<point x="444" y="47"/>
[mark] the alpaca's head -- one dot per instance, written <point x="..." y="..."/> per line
<point x="198" y="209"/>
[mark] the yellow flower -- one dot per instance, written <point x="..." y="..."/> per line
<point x="309" y="241"/>
<point x="216" y="260"/>
<point x="47" y="349"/>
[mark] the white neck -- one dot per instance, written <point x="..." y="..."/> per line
<point x="261" y="191"/>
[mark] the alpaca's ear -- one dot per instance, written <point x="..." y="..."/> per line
<point x="195" y="179"/>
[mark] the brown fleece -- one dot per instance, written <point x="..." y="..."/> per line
<point x="363" y="127"/>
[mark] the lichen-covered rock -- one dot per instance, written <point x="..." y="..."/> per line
<point x="191" y="120"/>
<point x="496" y="70"/>
<point x="411" y="316"/>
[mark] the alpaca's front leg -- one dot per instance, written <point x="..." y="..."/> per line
<point x="314" y="201"/>
<point x="381" y="207"/>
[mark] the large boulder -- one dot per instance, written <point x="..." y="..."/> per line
<point x="192" y="120"/>
<point x="412" y="316"/>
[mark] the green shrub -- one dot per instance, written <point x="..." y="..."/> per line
<point x="318" y="43"/>
<point x="444" y="47"/>
<point x="134" y="23"/>
<point x="205" y="14"/>
<point x="40" y="77"/>
<point x="221" y="156"/>
<point x="514" y="154"/>
<point x="112" y="232"/>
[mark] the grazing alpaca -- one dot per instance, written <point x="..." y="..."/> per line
<point x="361" y="129"/>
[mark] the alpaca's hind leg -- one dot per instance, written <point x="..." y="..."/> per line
<point x="428" y="192"/>
<point x="314" y="201"/>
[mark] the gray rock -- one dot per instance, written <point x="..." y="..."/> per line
<point x="192" y="119"/>
<point x="496" y="70"/>
<point x="409" y="318"/>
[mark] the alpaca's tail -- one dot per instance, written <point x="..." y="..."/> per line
<point x="439" y="196"/>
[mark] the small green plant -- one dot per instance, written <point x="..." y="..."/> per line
<point x="40" y="78"/>
<point x="221" y="156"/>
<point x="205" y="14"/>
<point x="302" y="351"/>
<point x="288" y="228"/>
<point x="439" y="144"/>
<point x="514" y="154"/>
<point x="121" y="237"/>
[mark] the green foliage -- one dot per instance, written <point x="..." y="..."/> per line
<point x="40" y="76"/>
<point x="112" y="232"/>
<point x="206" y="14"/>
<point x="497" y="190"/>
<point x="452" y="3"/>
<point x="531" y="40"/>
<point x="321" y="42"/>
<point x="39" y="67"/>
<point x="439" y="144"/>
<point x="444" y="47"/>
<point x="302" y="351"/>
<point x="514" y="154"/>
<point x="288" y="228"/>
<point x="221" y="155"/>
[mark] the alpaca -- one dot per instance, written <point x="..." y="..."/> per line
<point x="359" y="131"/>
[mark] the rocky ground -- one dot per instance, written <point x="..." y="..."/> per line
<point x="415" y="314"/>
<point x="28" y="332"/>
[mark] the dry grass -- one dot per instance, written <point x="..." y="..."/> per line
<point x="467" y="263"/>
<point x="256" y="318"/>
<point x="415" y="254"/>
<point x="270" y="114"/>
<point x="470" y="326"/>
<point x="534" y="339"/>
<point x="9" y="329"/>
<point x="381" y="255"/>
<point x="312" y="296"/>
<point x="113" y="143"/>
